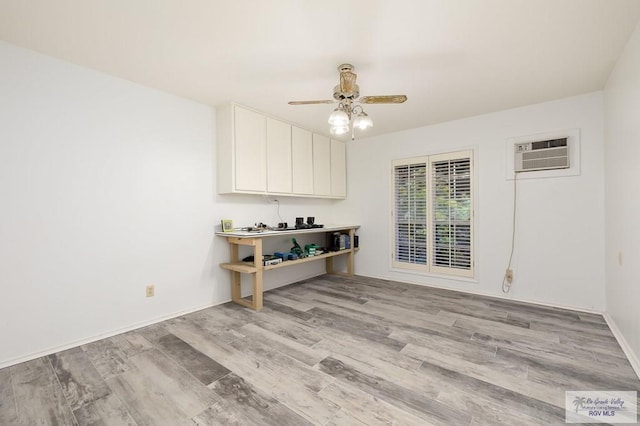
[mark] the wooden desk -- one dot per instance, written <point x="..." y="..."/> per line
<point x="256" y="268"/>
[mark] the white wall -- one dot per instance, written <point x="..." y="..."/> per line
<point x="622" y="149"/>
<point x="560" y="233"/>
<point x="107" y="186"/>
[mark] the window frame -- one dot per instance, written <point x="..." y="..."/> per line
<point x="429" y="268"/>
<point x="406" y="162"/>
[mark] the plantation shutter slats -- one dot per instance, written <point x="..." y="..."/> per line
<point x="433" y="214"/>
<point x="451" y="213"/>
<point x="411" y="213"/>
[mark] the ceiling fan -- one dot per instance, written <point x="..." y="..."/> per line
<point x="346" y="94"/>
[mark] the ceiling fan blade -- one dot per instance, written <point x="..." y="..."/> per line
<point x="310" y="102"/>
<point x="389" y="99"/>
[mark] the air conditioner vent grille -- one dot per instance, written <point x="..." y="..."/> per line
<point x="542" y="155"/>
<point x="546" y="153"/>
<point x="551" y="143"/>
<point x="544" y="164"/>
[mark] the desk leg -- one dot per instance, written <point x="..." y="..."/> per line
<point x="257" y="277"/>
<point x="235" y="276"/>
<point x="350" y="256"/>
<point x="329" y="261"/>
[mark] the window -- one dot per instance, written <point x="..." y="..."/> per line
<point x="433" y="214"/>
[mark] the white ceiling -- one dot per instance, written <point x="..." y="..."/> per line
<point x="452" y="58"/>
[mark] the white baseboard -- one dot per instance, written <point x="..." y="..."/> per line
<point x="631" y="356"/>
<point x="626" y="348"/>
<point x="49" y="351"/>
<point x="495" y="296"/>
<point x="112" y="333"/>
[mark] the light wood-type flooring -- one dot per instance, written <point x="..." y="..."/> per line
<point x="330" y="350"/>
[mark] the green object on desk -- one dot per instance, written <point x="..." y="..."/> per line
<point x="310" y="249"/>
<point x="297" y="249"/>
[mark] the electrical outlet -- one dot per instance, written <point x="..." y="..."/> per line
<point x="151" y="290"/>
<point x="509" y="275"/>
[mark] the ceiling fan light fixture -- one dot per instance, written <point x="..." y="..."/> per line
<point x="349" y="115"/>
<point x="338" y="118"/>
<point x="363" y="121"/>
<point x="339" y="130"/>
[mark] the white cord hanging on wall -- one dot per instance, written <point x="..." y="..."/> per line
<point x="507" y="280"/>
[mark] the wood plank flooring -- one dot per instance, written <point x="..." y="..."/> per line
<point x="329" y="351"/>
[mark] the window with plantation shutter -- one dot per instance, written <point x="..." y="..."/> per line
<point x="433" y="214"/>
<point x="451" y="213"/>
<point x="411" y="213"/>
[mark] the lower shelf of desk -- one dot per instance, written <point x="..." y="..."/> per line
<point x="249" y="267"/>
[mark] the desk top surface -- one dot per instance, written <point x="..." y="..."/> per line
<point x="268" y="233"/>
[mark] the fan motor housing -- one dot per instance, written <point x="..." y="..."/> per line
<point x="339" y="95"/>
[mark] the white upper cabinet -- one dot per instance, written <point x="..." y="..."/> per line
<point x="257" y="154"/>
<point x="241" y="150"/>
<point x="321" y="165"/>
<point x="338" y="169"/>
<point x="278" y="157"/>
<point x="302" y="161"/>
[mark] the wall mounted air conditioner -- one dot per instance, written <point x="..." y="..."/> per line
<point x="542" y="155"/>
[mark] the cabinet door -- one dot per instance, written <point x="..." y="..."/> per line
<point x="302" y="161"/>
<point x="338" y="169"/>
<point x="278" y="156"/>
<point x="250" y="150"/>
<point x="321" y="165"/>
